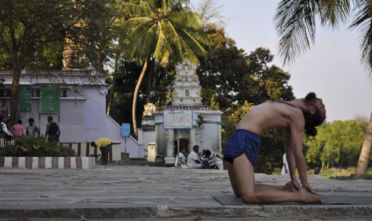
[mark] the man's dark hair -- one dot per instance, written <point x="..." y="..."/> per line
<point x="31" y="119"/>
<point x="310" y="97"/>
<point x="207" y="153"/>
<point x="50" y="118"/>
<point x="93" y="144"/>
<point x="312" y="120"/>
<point x="19" y="121"/>
<point x="196" y="147"/>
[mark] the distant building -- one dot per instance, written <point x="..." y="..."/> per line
<point x="75" y="99"/>
<point x="186" y="122"/>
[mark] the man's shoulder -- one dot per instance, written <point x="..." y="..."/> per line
<point x="191" y="153"/>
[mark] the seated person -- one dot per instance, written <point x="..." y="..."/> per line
<point x="193" y="160"/>
<point x="207" y="159"/>
<point x="181" y="158"/>
<point x="213" y="160"/>
<point x="17" y="129"/>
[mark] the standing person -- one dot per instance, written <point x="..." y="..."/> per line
<point x="181" y="158"/>
<point x="4" y="129"/>
<point x="285" y="170"/>
<point x="4" y="110"/>
<point x="52" y="130"/>
<point x="17" y="129"/>
<point x="32" y="130"/>
<point x="193" y="160"/>
<point x="105" y="146"/>
<point x="243" y="146"/>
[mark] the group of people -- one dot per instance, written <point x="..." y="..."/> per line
<point x="52" y="129"/>
<point x="208" y="160"/>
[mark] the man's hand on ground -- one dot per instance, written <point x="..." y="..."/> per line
<point x="296" y="184"/>
<point x="308" y="188"/>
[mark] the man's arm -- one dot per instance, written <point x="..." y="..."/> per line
<point x="290" y="152"/>
<point x="295" y="148"/>
<point x="58" y="131"/>
<point x="5" y="129"/>
<point x="47" y="130"/>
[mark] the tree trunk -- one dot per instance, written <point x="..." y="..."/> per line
<point x="134" y="103"/>
<point x="149" y="81"/>
<point x="365" y="152"/>
<point x="111" y="95"/>
<point x="14" y="96"/>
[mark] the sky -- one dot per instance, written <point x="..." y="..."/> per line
<point x="332" y="67"/>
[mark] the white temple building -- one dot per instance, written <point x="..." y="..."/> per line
<point x="76" y="99"/>
<point x="186" y="122"/>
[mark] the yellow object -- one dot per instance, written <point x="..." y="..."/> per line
<point x="102" y="142"/>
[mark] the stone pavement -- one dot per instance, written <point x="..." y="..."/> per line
<point x="159" y="193"/>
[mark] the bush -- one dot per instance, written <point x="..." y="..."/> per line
<point x="27" y="146"/>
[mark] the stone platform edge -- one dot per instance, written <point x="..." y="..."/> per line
<point x="168" y="211"/>
<point x="48" y="162"/>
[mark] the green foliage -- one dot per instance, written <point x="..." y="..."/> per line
<point x="269" y="82"/>
<point x="27" y="146"/>
<point x="223" y="69"/>
<point x="337" y="144"/>
<point x="233" y="77"/>
<point x="337" y="172"/>
<point x="165" y="30"/>
<point x="213" y="104"/>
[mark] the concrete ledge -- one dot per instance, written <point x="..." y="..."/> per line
<point x="166" y="211"/>
<point x="48" y="162"/>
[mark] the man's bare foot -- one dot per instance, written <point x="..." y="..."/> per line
<point x="289" y="187"/>
<point x="307" y="197"/>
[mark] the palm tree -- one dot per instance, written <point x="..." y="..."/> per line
<point x="365" y="152"/>
<point x="164" y="30"/>
<point x="296" y="23"/>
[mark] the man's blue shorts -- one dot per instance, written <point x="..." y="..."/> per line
<point x="242" y="141"/>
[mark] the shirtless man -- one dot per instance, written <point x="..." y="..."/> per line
<point x="243" y="147"/>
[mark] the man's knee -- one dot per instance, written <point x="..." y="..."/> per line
<point x="249" y="197"/>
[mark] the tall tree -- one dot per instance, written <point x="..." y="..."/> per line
<point x="223" y="69"/>
<point x="165" y="30"/>
<point x="270" y="82"/>
<point x="124" y="81"/>
<point x="296" y="23"/>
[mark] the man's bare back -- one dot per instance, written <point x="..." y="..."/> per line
<point x="271" y="115"/>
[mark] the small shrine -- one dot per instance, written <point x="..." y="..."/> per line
<point x="184" y="123"/>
